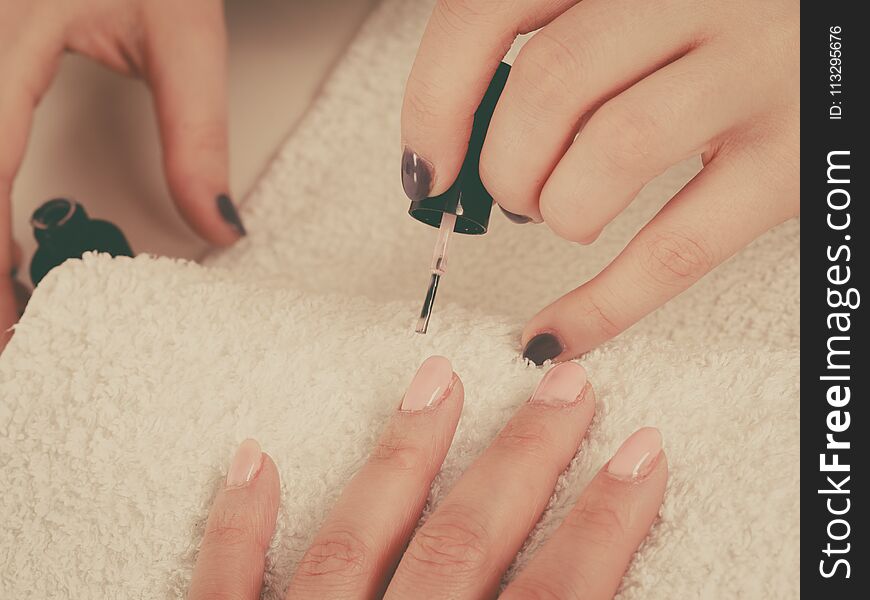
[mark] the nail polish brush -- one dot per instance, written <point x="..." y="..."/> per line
<point x="465" y="207"/>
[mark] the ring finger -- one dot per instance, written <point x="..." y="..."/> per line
<point x="464" y="548"/>
<point x="567" y="69"/>
<point x="589" y="553"/>
<point x="675" y="113"/>
<point x="358" y="547"/>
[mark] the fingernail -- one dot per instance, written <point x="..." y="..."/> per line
<point x="515" y="218"/>
<point x="637" y="455"/>
<point x="563" y="384"/>
<point x="228" y="213"/>
<point x="246" y="464"/>
<point x="416" y="175"/>
<point x="429" y="385"/>
<point x="542" y="347"/>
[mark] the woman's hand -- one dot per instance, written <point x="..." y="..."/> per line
<point x="465" y="546"/>
<point x="178" y="48"/>
<point x="646" y="85"/>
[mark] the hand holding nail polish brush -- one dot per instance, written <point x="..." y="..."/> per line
<point x="466" y="205"/>
<point x="603" y="98"/>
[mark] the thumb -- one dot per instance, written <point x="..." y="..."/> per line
<point x="240" y="525"/>
<point x="185" y="66"/>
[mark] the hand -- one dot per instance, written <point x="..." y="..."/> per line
<point x="646" y="85"/>
<point x="178" y="48"/>
<point x="465" y="546"/>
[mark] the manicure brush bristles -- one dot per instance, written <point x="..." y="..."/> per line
<point x="438" y="268"/>
<point x="423" y="321"/>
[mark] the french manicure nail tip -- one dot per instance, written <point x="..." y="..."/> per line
<point x="429" y="385"/>
<point x="229" y="214"/>
<point x="637" y="454"/>
<point x="245" y="464"/>
<point x="416" y="175"/>
<point x="563" y="384"/>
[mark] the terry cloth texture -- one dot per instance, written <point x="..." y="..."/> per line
<point x="129" y="382"/>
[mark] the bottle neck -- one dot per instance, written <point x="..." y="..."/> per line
<point x="56" y="219"/>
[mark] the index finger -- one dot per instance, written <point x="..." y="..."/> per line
<point x="461" y="48"/>
<point x="589" y="553"/>
<point x="232" y="555"/>
<point x="733" y="200"/>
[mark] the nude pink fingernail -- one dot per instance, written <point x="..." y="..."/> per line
<point x="637" y="455"/>
<point x="245" y="465"/>
<point x="563" y="384"/>
<point x="429" y="385"/>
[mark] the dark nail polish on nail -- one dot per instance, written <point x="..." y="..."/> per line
<point x="541" y="348"/>
<point x="416" y="175"/>
<point x="515" y="218"/>
<point x="229" y="214"/>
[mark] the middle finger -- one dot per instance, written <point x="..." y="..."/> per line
<point x="567" y="69"/>
<point x="467" y="544"/>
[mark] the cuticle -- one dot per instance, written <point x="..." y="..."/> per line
<point x="435" y="405"/>
<point x="577" y="401"/>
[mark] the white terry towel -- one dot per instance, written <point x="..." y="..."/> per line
<point x="129" y="383"/>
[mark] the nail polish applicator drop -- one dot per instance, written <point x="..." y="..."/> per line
<point x="465" y="207"/>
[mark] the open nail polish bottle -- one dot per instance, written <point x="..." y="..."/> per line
<point x="64" y="230"/>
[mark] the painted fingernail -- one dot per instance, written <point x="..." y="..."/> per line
<point x="563" y="384"/>
<point x="515" y="218"/>
<point x="637" y="455"/>
<point x="430" y="384"/>
<point x="246" y="464"/>
<point x="228" y="213"/>
<point x="416" y="175"/>
<point x="542" y="347"/>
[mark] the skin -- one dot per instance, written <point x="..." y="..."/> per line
<point x="177" y="48"/>
<point x="367" y="547"/>
<point x="609" y="94"/>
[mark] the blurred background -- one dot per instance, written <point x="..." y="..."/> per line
<point x="95" y="136"/>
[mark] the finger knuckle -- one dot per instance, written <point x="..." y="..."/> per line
<point x="566" y="205"/>
<point x="208" y="137"/>
<point x="593" y="309"/>
<point x="675" y="258"/>
<point x="599" y="524"/>
<point x="398" y="453"/>
<point x="464" y="15"/>
<point x="452" y="544"/>
<point x="536" y="588"/>
<point x="228" y="530"/>
<point x="548" y="67"/>
<point x="625" y="137"/>
<point x="526" y="436"/>
<point x="420" y="104"/>
<point x="334" y="553"/>
<point x="188" y="142"/>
